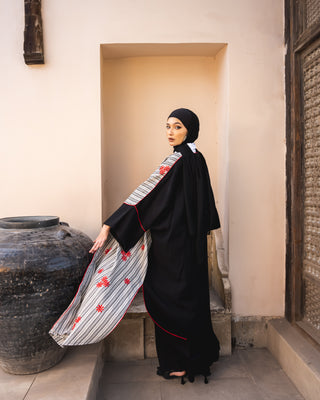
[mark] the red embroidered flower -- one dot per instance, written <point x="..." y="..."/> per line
<point x="125" y="255"/>
<point x="75" y="323"/>
<point x="142" y="247"/>
<point x="100" y="270"/>
<point x="107" y="250"/>
<point x="99" y="308"/>
<point x="104" y="282"/>
<point x="127" y="281"/>
<point x="164" y="169"/>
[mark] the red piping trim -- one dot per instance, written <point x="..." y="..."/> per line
<point x="139" y="219"/>
<point x="74" y="296"/>
<point x="155" y="185"/>
<point x="180" y="337"/>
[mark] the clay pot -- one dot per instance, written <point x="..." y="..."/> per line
<point x="42" y="263"/>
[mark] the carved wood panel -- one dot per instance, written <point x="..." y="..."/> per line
<point x="311" y="13"/>
<point x="33" y="36"/>
<point x="303" y="164"/>
<point x="311" y="177"/>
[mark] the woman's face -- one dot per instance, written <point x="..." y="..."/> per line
<point x="176" y="131"/>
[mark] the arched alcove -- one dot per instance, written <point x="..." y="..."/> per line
<point x="140" y="85"/>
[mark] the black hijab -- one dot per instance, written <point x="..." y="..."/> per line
<point x="189" y="120"/>
<point x="200" y="206"/>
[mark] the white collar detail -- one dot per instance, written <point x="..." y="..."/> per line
<point x="192" y="147"/>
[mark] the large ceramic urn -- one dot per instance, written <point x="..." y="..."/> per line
<point x="42" y="262"/>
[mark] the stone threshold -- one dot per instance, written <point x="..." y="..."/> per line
<point x="299" y="358"/>
<point x="75" y="376"/>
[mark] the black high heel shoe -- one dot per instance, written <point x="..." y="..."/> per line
<point x="205" y="373"/>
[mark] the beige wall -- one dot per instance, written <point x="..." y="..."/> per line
<point x="50" y="120"/>
<point x="138" y="95"/>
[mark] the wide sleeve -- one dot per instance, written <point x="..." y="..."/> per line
<point x="146" y="204"/>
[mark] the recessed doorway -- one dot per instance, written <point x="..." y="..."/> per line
<point x="140" y="85"/>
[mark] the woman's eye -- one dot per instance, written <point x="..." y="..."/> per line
<point x="178" y="127"/>
<point x="167" y="127"/>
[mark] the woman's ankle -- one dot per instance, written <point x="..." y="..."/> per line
<point x="178" y="373"/>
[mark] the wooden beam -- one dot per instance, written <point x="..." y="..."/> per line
<point x="33" y="35"/>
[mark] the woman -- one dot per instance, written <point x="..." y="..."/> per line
<point x="175" y="208"/>
<point x="179" y="211"/>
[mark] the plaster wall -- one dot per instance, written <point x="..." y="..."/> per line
<point x="138" y="95"/>
<point x="141" y="84"/>
<point x="50" y="121"/>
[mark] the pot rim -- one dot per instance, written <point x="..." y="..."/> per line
<point x="28" y="222"/>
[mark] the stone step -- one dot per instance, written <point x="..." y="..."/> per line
<point x="298" y="356"/>
<point x="76" y="376"/>
<point x="133" y="338"/>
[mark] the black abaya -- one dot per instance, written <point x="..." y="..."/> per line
<point x="176" y="290"/>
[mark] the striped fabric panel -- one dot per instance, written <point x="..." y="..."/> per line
<point x="146" y="187"/>
<point x="109" y="285"/>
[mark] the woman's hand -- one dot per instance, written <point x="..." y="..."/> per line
<point x="102" y="237"/>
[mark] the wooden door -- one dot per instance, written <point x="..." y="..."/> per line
<point x="303" y="164"/>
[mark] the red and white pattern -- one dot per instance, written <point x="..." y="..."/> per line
<point x="99" y="308"/>
<point x="109" y="285"/>
<point x="164" y="169"/>
<point x="104" y="282"/>
<point x="125" y="255"/>
<point x="146" y="187"/>
<point x="102" y="301"/>
<point x="75" y="322"/>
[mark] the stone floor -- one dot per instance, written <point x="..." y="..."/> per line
<point x="251" y="374"/>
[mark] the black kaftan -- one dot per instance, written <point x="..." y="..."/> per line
<point x="175" y="288"/>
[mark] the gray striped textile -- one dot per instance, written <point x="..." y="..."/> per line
<point x="146" y="187"/>
<point x="111" y="281"/>
<point x="109" y="285"/>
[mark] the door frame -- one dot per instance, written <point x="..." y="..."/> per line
<point x="297" y="39"/>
